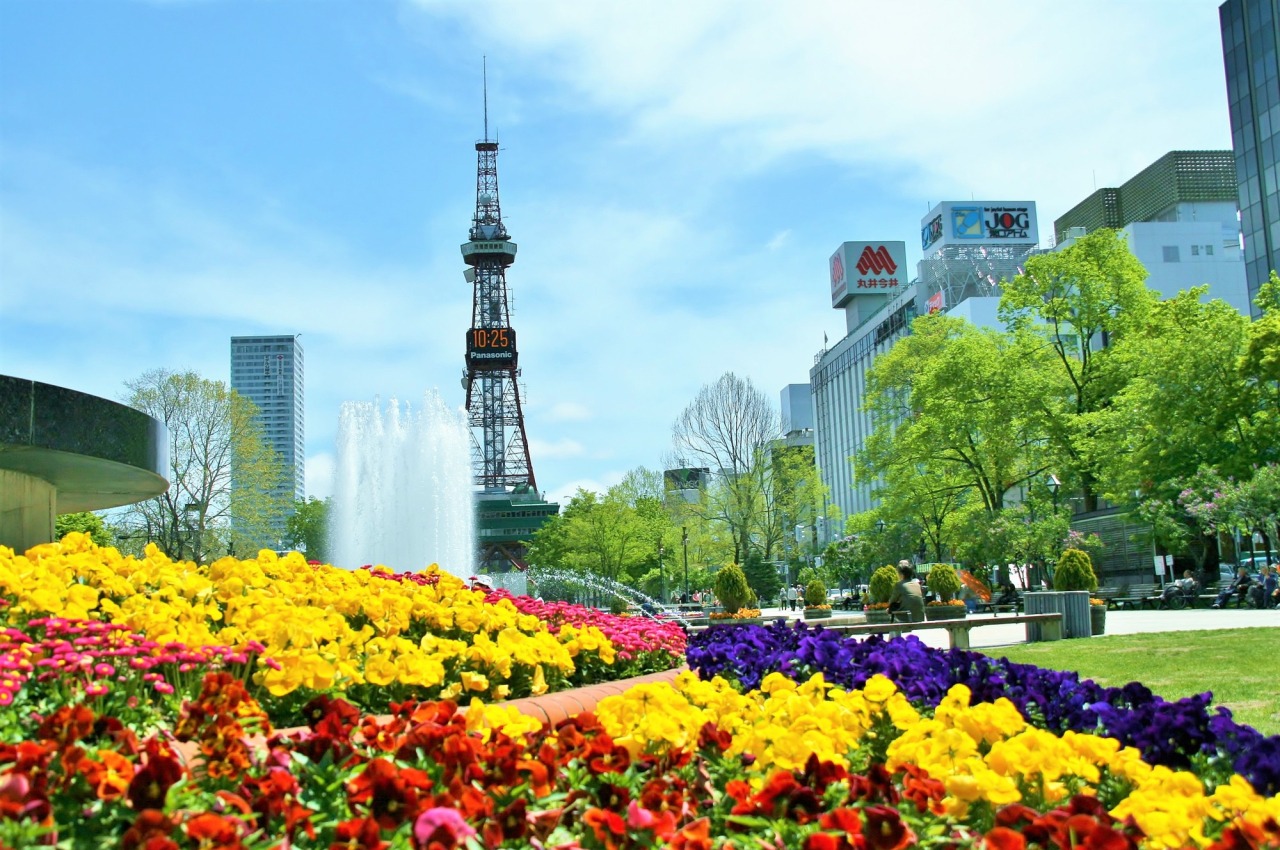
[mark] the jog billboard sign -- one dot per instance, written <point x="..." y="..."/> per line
<point x="978" y="223"/>
<point x="867" y="268"/>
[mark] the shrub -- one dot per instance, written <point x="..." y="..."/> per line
<point x="732" y="589"/>
<point x="1074" y="572"/>
<point x="882" y="583"/>
<point x="944" y="581"/>
<point x="815" y="593"/>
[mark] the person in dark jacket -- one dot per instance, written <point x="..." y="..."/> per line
<point x="1238" y="588"/>
<point x="907" y="598"/>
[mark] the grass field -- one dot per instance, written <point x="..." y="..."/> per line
<point x="1239" y="666"/>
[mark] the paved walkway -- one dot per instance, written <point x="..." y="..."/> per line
<point x="1118" y="623"/>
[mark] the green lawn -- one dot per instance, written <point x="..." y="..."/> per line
<point x="1238" y="665"/>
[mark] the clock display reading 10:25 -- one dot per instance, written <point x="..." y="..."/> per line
<point x="491" y="347"/>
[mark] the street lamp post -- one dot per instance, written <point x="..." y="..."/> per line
<point x="662" y="575"/>
<point x="1054" y="484"/>
<point x="684" y="543"/>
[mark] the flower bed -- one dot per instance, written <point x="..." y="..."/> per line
<point x="376" y="636"/>
<point x="788" y="736"/>
<point x="1186" y="734"/>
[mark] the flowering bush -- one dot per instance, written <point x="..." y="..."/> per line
<point x="948" y="603"/>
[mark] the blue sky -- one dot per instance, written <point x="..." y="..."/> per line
<point x="676" y="175"/>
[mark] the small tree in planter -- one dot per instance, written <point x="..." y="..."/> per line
<point x="1075" y="572"/>
<point x="880" y="589"/>
<point x="732" y="589"/>
<point x="815" y="600"/>
<point x="945" y="583"/>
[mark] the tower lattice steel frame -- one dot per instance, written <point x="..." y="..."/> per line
<point x="499" y="447"/>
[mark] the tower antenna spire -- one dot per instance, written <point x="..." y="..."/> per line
<point x="484" y="75"/>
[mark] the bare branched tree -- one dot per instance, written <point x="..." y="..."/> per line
<point x="727" y="429"/>
<point x="213" y="431"/>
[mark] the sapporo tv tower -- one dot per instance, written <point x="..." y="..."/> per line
<point x="508" y="507"/>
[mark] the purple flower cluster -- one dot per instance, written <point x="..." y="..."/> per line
<point x="1176" y="734"/>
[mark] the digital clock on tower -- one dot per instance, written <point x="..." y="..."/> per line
<point x="491" y="348"/>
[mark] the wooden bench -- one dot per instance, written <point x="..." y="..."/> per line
<point x="1108" y="594"/>
<point x="994" y="608"/>
<point x="1138" y="596"/>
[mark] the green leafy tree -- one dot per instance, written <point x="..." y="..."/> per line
<point x="761" y="576"/>
<point x="308" y="528"/>
<point x="946" y="403"/>
<point x="1077" y="302"/>
<point x="224" y="478"/>
<point x="85" y="522"/>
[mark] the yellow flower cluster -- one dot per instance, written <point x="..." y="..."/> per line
<point x="983" y="753"/>
<point x="988" y="753"/>
<point x="780" y="725"/>
<point x="323" y="626"/>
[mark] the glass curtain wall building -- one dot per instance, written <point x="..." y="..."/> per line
<point x="268" y="371"/>
<point x="1250" y="44"/>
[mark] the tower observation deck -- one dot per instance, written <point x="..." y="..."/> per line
<point x="508" y="505"/>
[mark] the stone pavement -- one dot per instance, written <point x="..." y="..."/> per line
<point x="1118" y="623"/>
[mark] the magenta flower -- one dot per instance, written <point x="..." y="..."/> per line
<point x="433" y="822"/>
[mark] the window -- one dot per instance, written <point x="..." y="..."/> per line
<point x="1195" y="251"/>
<point x="1171" y="254"/>
<point x="1208" y="249"/>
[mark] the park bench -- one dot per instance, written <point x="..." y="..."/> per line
<point x="1138" y="596"/>
<point x="994" y="608"/>
<point x="1108" y="594"/>
<point x="1049" y="626"/>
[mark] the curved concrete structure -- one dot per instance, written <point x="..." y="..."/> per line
<point x="63" y="451"/>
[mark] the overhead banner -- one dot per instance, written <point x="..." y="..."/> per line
<point x="978" y="223"/>
<point x="867" y="268"/>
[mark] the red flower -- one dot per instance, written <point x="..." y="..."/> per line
<point x="694" y="836"/>
<point x="358" y="834"/>
<point x="211" y="830"/>
<point x="109" y="777"/>
<point x="149" y="785"/>
<point x="1003" y="838"/>
<point x="151" y="831"/>
<point x="844" y="820"/>
<point x="606" y="825"/>
<point x="390" y="794"/>
<point x="885" y="830"/>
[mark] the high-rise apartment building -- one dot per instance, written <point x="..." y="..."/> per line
<point x="267" y="370"/>
<point x="1250" y="50"/>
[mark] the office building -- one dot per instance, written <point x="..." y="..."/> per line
<point x="969" y="247"/>
<point x="1250" y="47"/>
<point x="268" y="371"/>
<point x="1180" y="218"/>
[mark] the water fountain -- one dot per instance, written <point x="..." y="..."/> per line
<point x="601" y="587"/>
<point x="402" y="487"/>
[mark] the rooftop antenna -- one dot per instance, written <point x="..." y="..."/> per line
<point x="484" y="75"/>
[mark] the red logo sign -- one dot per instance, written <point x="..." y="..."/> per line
<point x="876" y="262"/>
<point x="837" y="271"/>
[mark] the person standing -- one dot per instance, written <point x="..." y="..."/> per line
<point x="792" y="596"/>
<point x="907" y="597"/>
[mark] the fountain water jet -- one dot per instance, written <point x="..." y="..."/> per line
<point x="402" y="488"/>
